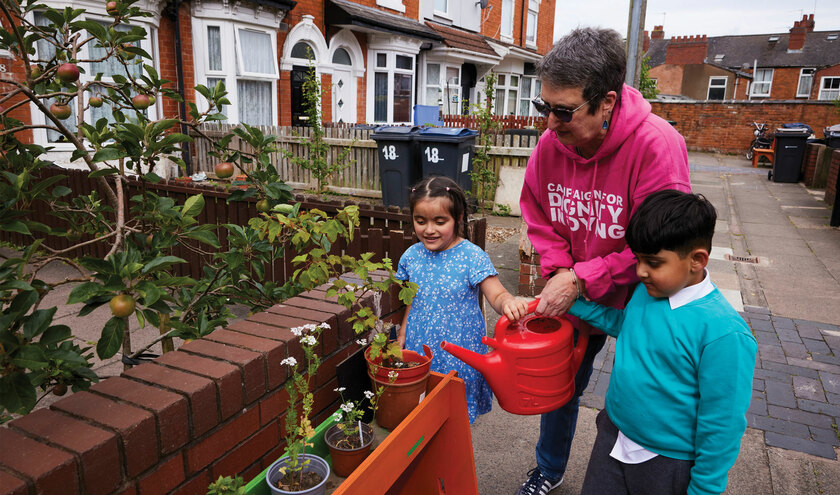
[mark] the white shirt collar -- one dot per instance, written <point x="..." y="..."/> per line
<point x="692" y="292"/>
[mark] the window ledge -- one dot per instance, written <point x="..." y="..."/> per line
<point x="442" y="15"/>
<point x="391" y="4"/>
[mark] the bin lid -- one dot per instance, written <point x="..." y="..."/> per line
<point x="446" y="134"/>
<point x="394" y="132"/>
<point x="792" y="132"/>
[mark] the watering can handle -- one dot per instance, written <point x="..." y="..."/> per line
<point x="503" y="322"/>
<point x="427" y="352"/>
<point x="580" y="348"/>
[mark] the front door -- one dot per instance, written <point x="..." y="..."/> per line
<point x="344" y="96"/>
<point x="298" y="107"/>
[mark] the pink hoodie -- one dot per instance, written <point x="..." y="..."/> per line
<point x="577" y="208"/>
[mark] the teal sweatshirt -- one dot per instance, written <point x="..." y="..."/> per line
<point x="682" y="379"/>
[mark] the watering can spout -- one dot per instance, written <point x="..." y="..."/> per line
<point x="473" y="359"/>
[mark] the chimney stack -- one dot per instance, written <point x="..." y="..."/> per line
<point x="686" y="50"/>
<point x="658" y="33"/>
<point x="798" y="32"/>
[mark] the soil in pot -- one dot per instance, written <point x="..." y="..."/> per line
<point x="347" y="452"/>
<point x="307" y="481"/>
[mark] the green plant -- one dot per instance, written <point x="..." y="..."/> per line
<point x="501" y="210"/>
<point x="482" y="174"/>
<point x="227" y="485"/>
<point x="647" y="86"/>
<point x="298" y="424"/>
<point x="316" y="159"/>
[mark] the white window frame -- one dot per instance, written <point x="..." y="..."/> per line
<point x="149" y="45"/>
<point x="442" y="13"/>
<point x="391" y="69"/>
<point x="232" y="63"/>
<point x="536" y="88"/>
<point x="805" y="75"/>
<point x="533" y="11"/>
<point x="768" y="82"/>
<point x="507" y="88"/>
<point x="506" y="29"/>
<point x="829" y="94"/>
<point x="391" y="4"/>
<point x="717" y="86"/>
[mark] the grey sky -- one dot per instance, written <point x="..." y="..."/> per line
<point x="709" y="17"/>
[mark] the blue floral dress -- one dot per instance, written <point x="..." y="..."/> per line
<point x="446" y="308"/>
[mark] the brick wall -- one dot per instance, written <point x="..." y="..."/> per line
<point x="15" y="70"/>
<point x="167" y="62"/>
<point x="214" y="407"/>
<point x="725" y="126"/>
<point x="685" y="50"/>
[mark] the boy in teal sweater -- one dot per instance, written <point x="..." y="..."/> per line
<point x="682" y="378"/>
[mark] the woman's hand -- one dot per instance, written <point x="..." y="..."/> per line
<point x="558" y="295"/>
<point x="515" y="308"/>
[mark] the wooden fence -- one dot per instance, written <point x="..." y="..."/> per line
<point x="386" y="232"/>
<point x="361" y="178"/>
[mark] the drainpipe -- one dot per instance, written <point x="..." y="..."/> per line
<point x="522" y="24"/>
<point x="182" y="106"/>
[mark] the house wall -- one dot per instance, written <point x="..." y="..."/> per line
<point x="215" y="407"/>
<point x="167" y="62"/>
<point x="668" y="78"/>
<point x="695" y="80"/>
<point x="828" y="71"/>
<point x="725" y="126"/>
<point x="13" y="69"/>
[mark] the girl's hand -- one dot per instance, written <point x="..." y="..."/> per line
<point x="401" y="340"/>
<point x="515" y="308"/>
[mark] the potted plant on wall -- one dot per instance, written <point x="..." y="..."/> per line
<point x="298" y="472"/>
<point x="402" y="373"/>
<point x="350" y="440"/>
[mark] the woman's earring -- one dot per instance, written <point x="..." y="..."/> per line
<point x="605" y="125"/>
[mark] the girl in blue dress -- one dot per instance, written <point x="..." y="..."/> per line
<point x="450" y="270"/>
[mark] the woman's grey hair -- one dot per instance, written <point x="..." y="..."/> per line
<point x="588" y="58"/>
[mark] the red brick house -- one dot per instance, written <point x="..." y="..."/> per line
<point x="377" y="59"/>
<point x="802" y="64"/>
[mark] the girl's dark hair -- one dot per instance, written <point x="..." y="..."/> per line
<point x="674" y="221"/>
<point x="436" y="186"/>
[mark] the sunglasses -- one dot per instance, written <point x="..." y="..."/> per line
<point x="562" y="114"/>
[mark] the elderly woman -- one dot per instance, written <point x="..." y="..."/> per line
<point x="602" y="153"/>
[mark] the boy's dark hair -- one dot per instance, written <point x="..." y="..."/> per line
<point x="436" y="186"/>
<point x="674" y="221"/>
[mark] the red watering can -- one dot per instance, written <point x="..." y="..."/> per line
<point x="532" y="366"/>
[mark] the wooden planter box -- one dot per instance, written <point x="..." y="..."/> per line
<point x="429" y="451"/>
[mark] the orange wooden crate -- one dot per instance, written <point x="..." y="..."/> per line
<point x="430" y="452"/>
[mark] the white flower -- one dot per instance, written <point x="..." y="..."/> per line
<point x="339" y="389"/>
<point x="347" y="407"/>
<point x="393" y="375"/>
<point x="310" y="326"/>
<point x="369" y="394"/>
<point x="325" y="326"/>
<point x="289" y="361"/>
<point x="361" y="342"/>
<point x="298" y="331"/>
<point x="308" y="340"/>
<point x="337" y="415"/>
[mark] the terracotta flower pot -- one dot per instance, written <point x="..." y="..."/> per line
<point x="316" y="465"/>
<point x="345" y="458"/>
<point x="403" y="395"/>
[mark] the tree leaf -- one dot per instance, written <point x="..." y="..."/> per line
<point x="161" y="263"/>
<point x="17" y="395"/>
<point x="193" y="206"/>
<point x="37" y="322"/>
<point x="31" y="357"/>
<point x="81" y="293"/>
<point x="111" y="338"/>
<point x="204" y="236"/>
<point x="55" y="334"/>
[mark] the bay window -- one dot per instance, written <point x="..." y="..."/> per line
<point x="507" y="94"/>
<point x="243" y="57"/>
<point x="393" y="86"/>
<point x="107" y="67"/>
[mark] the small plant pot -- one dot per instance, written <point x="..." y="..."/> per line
<point x="345" y="459"/>
<point x="316" y="465"/>
<point x="403" y="394"/>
